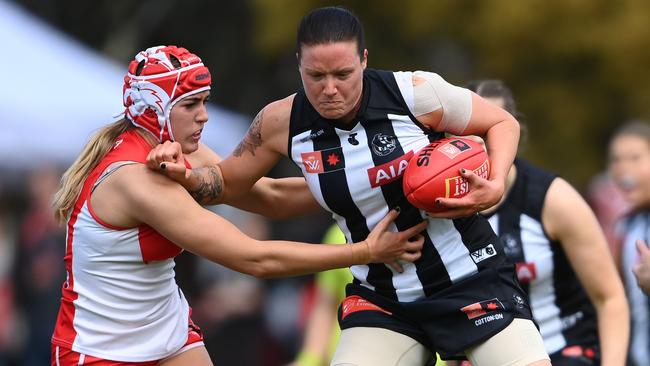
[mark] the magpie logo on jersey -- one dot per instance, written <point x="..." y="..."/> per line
<point x="511" y="245"/>
<point x="323" y="161"/>
<point x="482" y="308"/>
<point x="382" y="144"/>
<point x="389" y="172"/>
<point x="519" y="301"/>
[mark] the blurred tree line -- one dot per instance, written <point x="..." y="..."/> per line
<point x="578" y="68"/>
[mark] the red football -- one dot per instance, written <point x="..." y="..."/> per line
<point x="434" y="172"/>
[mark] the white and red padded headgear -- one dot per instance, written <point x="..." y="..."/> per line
<point x="157" y="79"/>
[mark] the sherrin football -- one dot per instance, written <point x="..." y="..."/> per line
<point x="434" y="172"/>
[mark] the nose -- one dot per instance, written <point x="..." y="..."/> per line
<point x="202" y="115"/>
<point x="330" y="88"/>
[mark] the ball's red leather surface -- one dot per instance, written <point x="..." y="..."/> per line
<point x="434" y="171"/>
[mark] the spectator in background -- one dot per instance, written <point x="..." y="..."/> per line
<point x="8" y="329"/>
<point x="562" y="259"/>
<point x="230" y="305"/>
<point x="39" y="269"/>
<point x="629" y="166"/>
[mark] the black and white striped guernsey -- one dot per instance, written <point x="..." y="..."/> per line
<point x="636" y="226"/>
<point x="355" y="171"/>
<point x="558" y="301"/>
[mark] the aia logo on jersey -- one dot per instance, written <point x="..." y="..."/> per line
<point x="526" y="272"/>
<point x="453" y="148"/>
<point x="323" y="161"/>
<point x="383" y="145"/>
<point x="352" y="304"/>
<point x="482" y="308"/>
<point x="389" y="172"/>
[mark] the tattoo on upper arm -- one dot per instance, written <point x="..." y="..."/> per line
<point x="209" y="188"/>
<point x="253" y="138"/>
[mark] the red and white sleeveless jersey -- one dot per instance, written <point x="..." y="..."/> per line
<point x="120" y="299"/>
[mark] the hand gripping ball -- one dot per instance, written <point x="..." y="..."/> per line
<point x="434" y="172"/>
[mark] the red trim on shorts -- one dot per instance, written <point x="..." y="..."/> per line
<point x="68" y="357"/>
<point x="352" y="304"/>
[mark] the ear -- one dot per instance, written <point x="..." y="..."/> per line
<point x="364" y="60"/>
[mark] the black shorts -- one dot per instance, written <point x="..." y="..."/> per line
<point x="448" y="322"/>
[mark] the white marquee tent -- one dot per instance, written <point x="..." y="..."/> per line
<point x="56" y="93"/>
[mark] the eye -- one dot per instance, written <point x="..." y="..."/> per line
<point x="316" y="76"/>
<point x="189" y="104"/>
<point x="344" y="75"/>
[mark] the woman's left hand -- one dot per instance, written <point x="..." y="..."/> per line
<point x="482" y="195"/>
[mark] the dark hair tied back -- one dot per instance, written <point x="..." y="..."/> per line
<point x="329" y="25"/>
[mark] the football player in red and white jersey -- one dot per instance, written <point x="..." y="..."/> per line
<point x="120" y="302"/>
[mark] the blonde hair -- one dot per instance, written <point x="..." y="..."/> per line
<point x="73" y="178"/>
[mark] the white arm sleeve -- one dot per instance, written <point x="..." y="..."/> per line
<point x="435" y="93"/>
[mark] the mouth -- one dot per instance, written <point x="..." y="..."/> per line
<point x="627" y="183"/>
<point x="330" y="104"/>
<point x="197" y="135"/>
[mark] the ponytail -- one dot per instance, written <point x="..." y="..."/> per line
<point x="73" y="179"/>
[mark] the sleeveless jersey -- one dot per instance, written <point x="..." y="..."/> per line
<point x="636" y="226"/>
<point x="558" y="301"/>
<point x="120" y="299"/>
<point x="355" y="171"/>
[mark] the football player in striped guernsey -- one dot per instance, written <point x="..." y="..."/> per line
<point x="562" y="259"/>
<point x="351" y="130"/>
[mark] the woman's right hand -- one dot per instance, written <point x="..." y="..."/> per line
<point x="390" y="247"/>
<point x="167" y="158"/>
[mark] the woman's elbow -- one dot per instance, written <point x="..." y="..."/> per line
<point x="262" y="270"/>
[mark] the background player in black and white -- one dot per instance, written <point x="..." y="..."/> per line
<point x="562" y="259"/>
<point x="351" y="130"/>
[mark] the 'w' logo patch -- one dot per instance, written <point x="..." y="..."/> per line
<point x="323" y="161"/>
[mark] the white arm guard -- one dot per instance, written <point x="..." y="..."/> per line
<point x="435" y="93"/>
